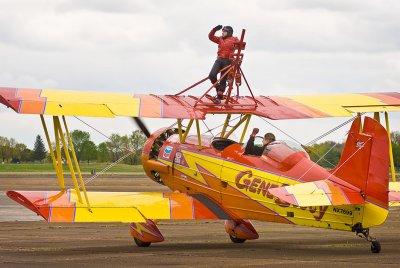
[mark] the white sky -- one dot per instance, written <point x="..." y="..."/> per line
<point x="293" y="47"/>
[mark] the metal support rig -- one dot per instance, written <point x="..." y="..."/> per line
<point x="234" y="73"/>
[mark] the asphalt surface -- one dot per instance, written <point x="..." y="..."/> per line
<point x="26" y="240"/>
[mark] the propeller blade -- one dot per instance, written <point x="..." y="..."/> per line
<point x="141" y="126"/>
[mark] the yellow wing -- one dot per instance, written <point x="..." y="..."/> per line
<point x="117" y="206"/>
<point x="101" y="104"/>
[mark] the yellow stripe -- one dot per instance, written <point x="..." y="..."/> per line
<point x="85" y="103"/>
<point x="370" y="109"/>
<point x="394" y="186"/>
<point x="121" y="206"/>
<point x="308" y="194"/>
<point x="333" y="104"/>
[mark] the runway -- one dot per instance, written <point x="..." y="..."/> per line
<point x="26" y="240"/>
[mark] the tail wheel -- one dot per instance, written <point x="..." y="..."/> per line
<point x="236" y="240"/>
<point x="141" y="243"/>
<point x="375" y="247"/>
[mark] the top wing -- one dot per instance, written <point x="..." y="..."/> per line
<point x="318" y="193"/>
<point x="101" y="104"/>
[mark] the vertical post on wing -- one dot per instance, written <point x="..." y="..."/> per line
<point x="245" y="128"/>
<point x="60" y="176"/>
<point x="377" y="117"/>
<point x="236" y="126"/>
<point x="198" y="133"/>
<point x="71" y="145"/>
<point x="187" y="130"/>
<point x="228" y="117"/>
<point x="180" y="130"/>
<point x="237" y="63"/>
<point x="390" y="148"/>
<point x="361" y="128"/>
<point x="66" y="152"/>
<point x="58" y="149"/>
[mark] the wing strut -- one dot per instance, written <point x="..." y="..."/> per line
<point x="57" y="159"/>
<point x="390" y="148"/>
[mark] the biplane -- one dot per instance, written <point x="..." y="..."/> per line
<point x="211" y="176"/>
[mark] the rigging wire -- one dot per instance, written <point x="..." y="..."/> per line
<point x="209" y="130"/>
<point x="333" y="130"/>
<point x="130" y="152"/>
<point x="86" y="182"/>
<point x="359" y="148"/>
<point x="315" y="163"/>
<point x="222" y="124"/>
<point x="307" y="145"/>
<point x="98" y="131"/>
<point x="280" y="130"/>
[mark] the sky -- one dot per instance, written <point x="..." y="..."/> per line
<point x="161" y="47"/>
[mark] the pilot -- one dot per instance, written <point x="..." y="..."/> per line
<point x="255" y="150"/>
<point x="226" y="46"/>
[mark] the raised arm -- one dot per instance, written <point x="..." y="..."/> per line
<point x="212" y="36"/>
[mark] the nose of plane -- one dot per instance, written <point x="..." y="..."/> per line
<point x="151" y="149"/>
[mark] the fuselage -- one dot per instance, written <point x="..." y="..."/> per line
<point x="236" y="185"/>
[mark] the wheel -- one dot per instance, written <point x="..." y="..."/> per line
<point x="141" y="244"/>
<point x="375" y="247"/>
<point x="236" y="240"/>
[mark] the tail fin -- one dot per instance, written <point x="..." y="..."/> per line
<point x="365" y="161"/>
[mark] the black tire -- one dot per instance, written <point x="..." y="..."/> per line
<point x="141" y="244"/>
<point x="375" y="247"/>
<point x="236" y="240"/>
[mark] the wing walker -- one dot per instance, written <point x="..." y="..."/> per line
<point x="210" y="176"/>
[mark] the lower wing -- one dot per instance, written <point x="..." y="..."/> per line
<point x="117" y="206"/>
<point x="394" y="194"/>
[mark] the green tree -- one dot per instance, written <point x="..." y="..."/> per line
<point x="89" y="151"/>
<point x="39" y="151"/>
<point x="395" y="136"/>
<point x="18" y="153"/>
<point x="103" y="152"/>
<point x="12" y="150"/>
<point x="136" y="142"/>
<point x="332" y="158"/>
<point x="116" y="146"/>
<point x="396" y="155"/>
<point x="80" y="139"/>
<point x="26" y="155"/>
<point x="4" y="149"/>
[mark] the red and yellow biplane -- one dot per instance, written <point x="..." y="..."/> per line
<point x="211" y="177"/>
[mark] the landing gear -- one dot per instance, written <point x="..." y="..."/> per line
<point x="236" y="240"/>
<point x="375" y="247"/>
<point x="364" y="233"/>
<point x="141" y="244"/>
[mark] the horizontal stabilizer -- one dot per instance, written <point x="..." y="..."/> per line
<point x="394" y="194"/>
<point x="114" y="206"/>
<point x="318" y="193"/>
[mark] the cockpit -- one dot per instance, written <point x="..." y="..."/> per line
<point x="284" y="154"/>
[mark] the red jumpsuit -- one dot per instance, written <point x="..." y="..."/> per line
<point x="226" y="46"/>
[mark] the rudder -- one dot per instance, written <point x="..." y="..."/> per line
<point x="365" y="161"/>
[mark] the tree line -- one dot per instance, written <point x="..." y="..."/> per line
<point x="332" y="158"/>
<point x="118" y="146"/>
<point x="85" y="149"/>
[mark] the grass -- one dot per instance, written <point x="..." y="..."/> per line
<point x="85" y="167"/>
